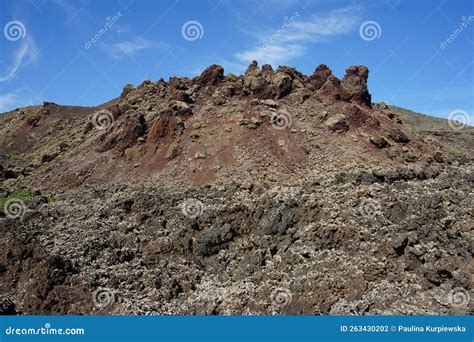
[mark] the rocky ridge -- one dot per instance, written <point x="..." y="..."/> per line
<point x="272" y="192"/>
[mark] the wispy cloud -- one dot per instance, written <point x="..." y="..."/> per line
<point x="272" y="54"/>
<point x="8" y="100"/>
<point x="25" y="54"/>
<point x="129" y="47"/>
<point x="293" y="38"/>
<point x="71" y="9"/>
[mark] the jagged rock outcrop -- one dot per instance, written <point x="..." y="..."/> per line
<point x="320" y="76"/>
<point x="185" y="97"/>
<point x="212" y="75"/>
<point x="354" y="83"/>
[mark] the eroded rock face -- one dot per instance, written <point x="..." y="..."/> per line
<point x="355" y="84"/>
<point x="124" y="135"/>
<point x="320" y="76"/>
<point x="182" y="96"/>
<point x="185" y="98"/>
<point x="282" y="83"/>
<point x="331" y="91"/>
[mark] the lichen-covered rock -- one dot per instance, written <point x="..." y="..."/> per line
<point x="154" y="250"/>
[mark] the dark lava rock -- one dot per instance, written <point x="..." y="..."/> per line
<point x="380" y="142"/>
<point x="399" y="136"/>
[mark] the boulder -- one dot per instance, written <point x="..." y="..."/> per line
<point x="182" y="96"/>
<point x="337" y="123"/>
<point x="48" y="108"/>
<point x="267" y="69"/>
<point x="282" y="84"/>
<point x="46" y="158"/>
<point x="380" y="142"/>
<point x="399" y="136"/>
<point x="180" y="108"/>
<point x="126" y="90"/>
<point x="254" y="84"/>
<point x="253" y="69"/>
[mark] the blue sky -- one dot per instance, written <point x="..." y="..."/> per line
<point x="83" y="52"/>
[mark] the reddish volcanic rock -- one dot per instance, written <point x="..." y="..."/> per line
<point x="125" y="133"/>
<point x="212" y="75"/>
<point x="252" y="69"/>
<point x="355" y="83"/>
<point x="48" y="108"/>
<point x="233" y="120"/>
<point x="320" y="76"/>
<point x="332" y="91"/>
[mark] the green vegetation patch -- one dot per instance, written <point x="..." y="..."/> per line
<point x="21" y="194"/>
<point x="455" y="154"/>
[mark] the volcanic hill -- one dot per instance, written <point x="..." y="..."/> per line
<point x="269" y="192"/>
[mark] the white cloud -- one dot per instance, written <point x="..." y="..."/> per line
<point x="272" y="54"/>
<point x="293" y="39"/>
<point x="25" y="54"/>
<point x="7" y="101"/>
<point x="129" y="47"/>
